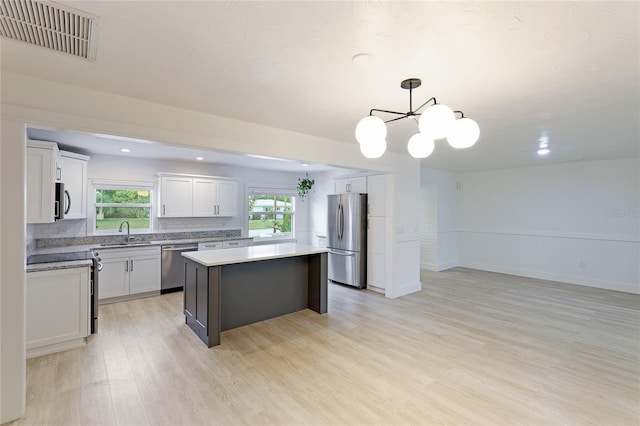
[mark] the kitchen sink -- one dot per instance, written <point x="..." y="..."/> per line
<point x="133" y="243"/>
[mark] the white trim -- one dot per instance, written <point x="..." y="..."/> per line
<point x="403" y="290"/>
<point x="95" y="184"/>
<point x="553" y="234"/>
<point x="628" y="287"/>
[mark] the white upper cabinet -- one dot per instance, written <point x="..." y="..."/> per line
<point x="205" y="197"/>
<point x="227" y="198"/>
<point x="355" y="185"/>
<point x="74" y="177"/>
<point x="191" y="196"/>
<point x="377" y="195"/>
<point x="175" y="196"/>
<point x="44" y="169"/>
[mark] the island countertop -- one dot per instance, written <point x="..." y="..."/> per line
<point x="251" y="254"/>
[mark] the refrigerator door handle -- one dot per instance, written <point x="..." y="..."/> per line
<point x="342" y="253"/>
<point x="338" y="221"/>
<point x="341" y="228"/>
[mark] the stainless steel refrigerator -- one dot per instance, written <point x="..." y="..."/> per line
<point x="347" y="239"/>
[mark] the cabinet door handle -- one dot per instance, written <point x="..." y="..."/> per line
<point x="163" y="210"/>
<point x="131" y="265"/>
<point x="126" y="266"/>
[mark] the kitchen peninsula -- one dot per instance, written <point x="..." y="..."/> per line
<point x="225" y="289"/>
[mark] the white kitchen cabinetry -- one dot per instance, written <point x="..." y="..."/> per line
<point x="44" y="169"/>
<point x="355" y="185"/>
<point x="236" y="243"/>
<point x="129" y="271"/>
<point x="376" y="253"/>
<point x="214" y="197"/>
<point x="74" y="177"/>
<point x="216" y="245"/>
<point x="376" y="230"/>
<point x="377" y="195"/>
<point x="188" y="196"/>
<point x="57" y="310"/>
<point x="175" y="196"/>
<point x="205" y="197"/>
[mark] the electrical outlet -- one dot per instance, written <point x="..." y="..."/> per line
<point x="582" y="264"/>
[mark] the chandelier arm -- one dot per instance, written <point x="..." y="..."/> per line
<point x="384" y="110"/>
<point x="424" y="104"/>
<point x="398" y="118"/>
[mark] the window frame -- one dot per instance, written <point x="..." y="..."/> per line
<point x="97" y="184"/>
<point x="276" y="192"/>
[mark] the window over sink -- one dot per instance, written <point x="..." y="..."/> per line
<point x="271" y="214"/>
<point x="116" y="202"/>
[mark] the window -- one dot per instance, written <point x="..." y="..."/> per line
<point x="115" y="203"/>
<point x="271" y="213"/>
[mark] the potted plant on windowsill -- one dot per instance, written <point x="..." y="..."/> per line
<point x="304" y="186"/>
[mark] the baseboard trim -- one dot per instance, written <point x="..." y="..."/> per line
<point x="563" y="278"/>
<point x="404" y="290"/>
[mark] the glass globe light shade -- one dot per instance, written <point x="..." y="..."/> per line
<point x="436" y="121"/>
<point x="464" y="133"/>
<point x="373" y="148"/>
<point x="370" y="128"/>
<point x="420" y="146"/>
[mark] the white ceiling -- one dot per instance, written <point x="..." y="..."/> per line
<point x="568" y="70"/>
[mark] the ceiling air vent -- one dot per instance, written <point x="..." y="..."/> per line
<point x="49" y="25"/>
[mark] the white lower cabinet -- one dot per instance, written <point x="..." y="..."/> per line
<point x="376" y="253"/>
<point x="57" y="310"/>
<point x="129" y="271"/>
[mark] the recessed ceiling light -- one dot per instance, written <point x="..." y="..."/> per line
<point x="543" y="151"/>
<point x="199" y="158"/>
<point x="125" y="150"/>
<point x="304" y="165"/>
<point x="265" y="157"/>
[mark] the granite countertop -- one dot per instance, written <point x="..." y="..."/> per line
<point x="87" y="247"/>
<point x="252" y="253"/>
<point x="59" y="265"/>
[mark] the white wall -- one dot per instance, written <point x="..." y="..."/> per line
<point x="12" y="269"/>
<point x="46" y="104"/>
<point x="574" y="222"/>
<point x="439" y="222"/>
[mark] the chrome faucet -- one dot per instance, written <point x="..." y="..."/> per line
<point x="128" y="234"/>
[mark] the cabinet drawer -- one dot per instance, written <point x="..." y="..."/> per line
<point x="214" y="245"/>
<point x="236" y="243"/>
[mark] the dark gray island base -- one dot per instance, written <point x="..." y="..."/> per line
<point x="225" y="289"/>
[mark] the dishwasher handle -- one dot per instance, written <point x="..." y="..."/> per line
<point x="172" y="248"/>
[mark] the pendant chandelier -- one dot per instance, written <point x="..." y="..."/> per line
<point x="436" y="122"/>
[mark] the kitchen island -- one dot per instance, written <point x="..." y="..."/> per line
<point x="225" y="289"/>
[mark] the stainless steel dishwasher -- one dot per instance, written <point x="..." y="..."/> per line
<point x="173" y="266"/>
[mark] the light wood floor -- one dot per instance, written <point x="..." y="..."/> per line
<point x="472" y="348"/>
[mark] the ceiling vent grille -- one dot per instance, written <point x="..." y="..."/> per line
<point x="49" y="25"/>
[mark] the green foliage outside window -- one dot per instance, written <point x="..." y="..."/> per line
<point x="113" y="206"/>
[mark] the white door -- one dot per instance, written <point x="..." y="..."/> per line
<point x="341" y="186"/>
<point x="56" y="306"/>
<point x="176" y="196"/>
<point x="376" y="252"/>
<point x="227" y="198"/>
<point x="40" y="186"/>
<point x="144" y="274"/>
<point x="74" y="177"/>
<point x="358" y="185"/>
<point x="204" y="197"/>
<point x="377" y="195"/>
<point x="114" y="277"/>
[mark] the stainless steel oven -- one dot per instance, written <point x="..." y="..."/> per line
<point x="95" y="274"/>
